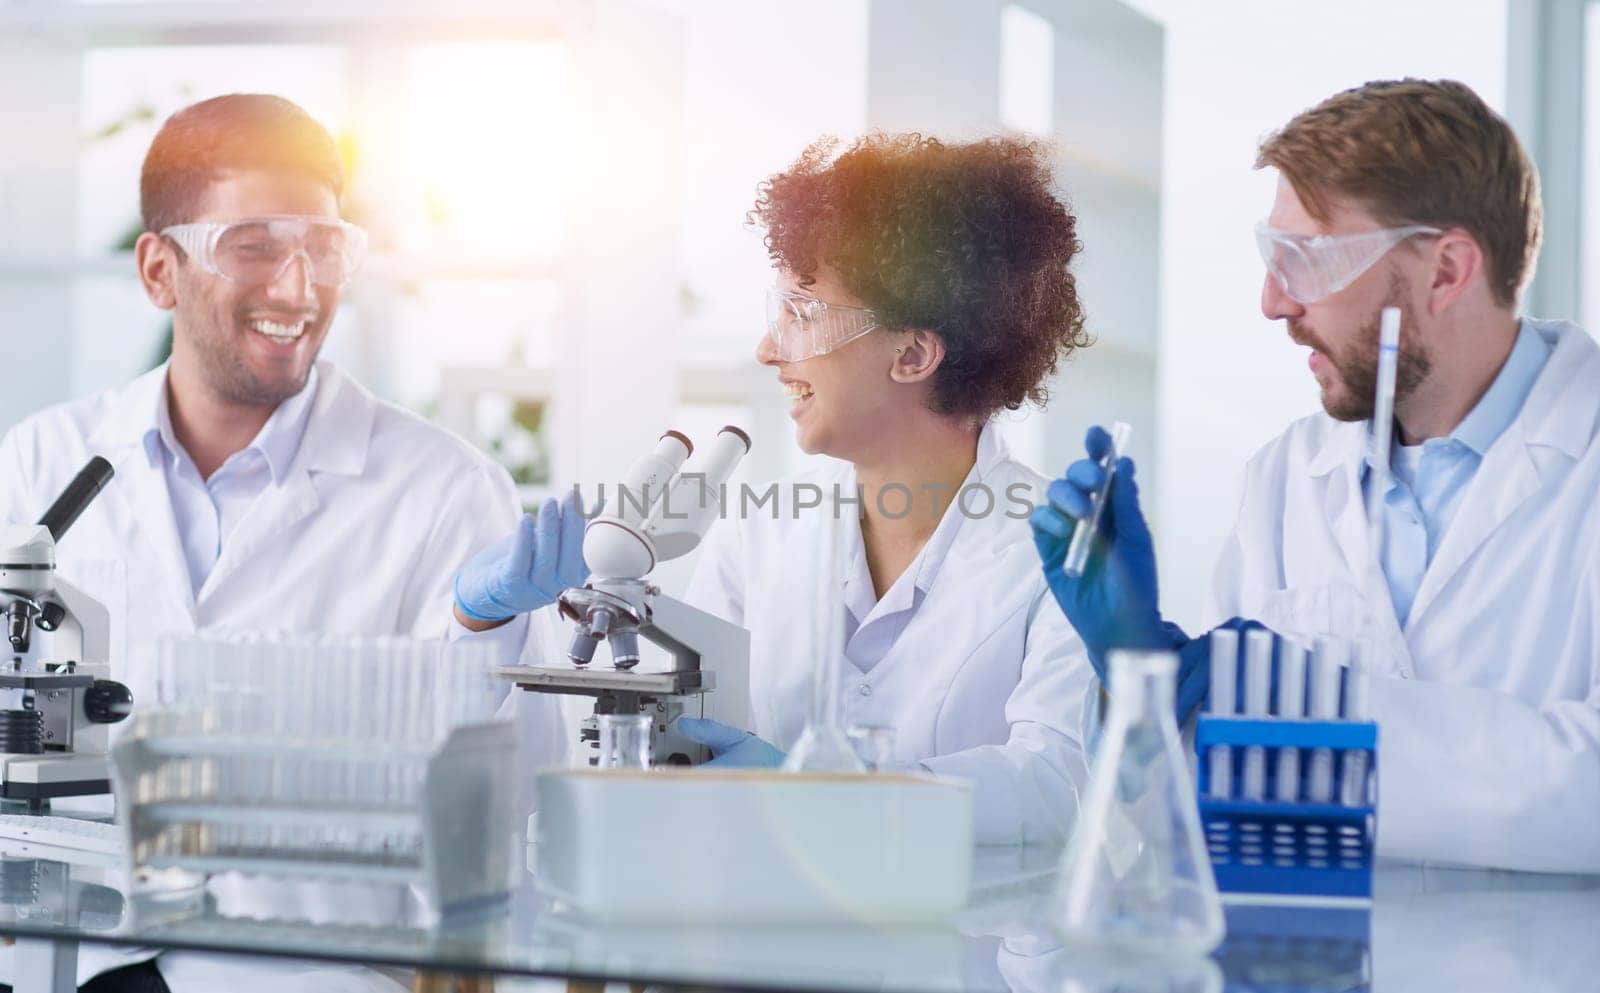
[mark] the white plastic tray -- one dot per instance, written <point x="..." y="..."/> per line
<point x="696" y="846"/>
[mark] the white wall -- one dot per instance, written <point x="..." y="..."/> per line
<point x="38" y="212"/>
<point x="760" y="84"/>
<point x="1229" y="380"/>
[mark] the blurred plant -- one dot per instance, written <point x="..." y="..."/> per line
<point x="520" y="444"/>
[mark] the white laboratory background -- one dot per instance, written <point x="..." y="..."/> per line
<point x="557" y="191"/>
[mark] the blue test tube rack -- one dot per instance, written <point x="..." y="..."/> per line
<point x="1297" y="848"/>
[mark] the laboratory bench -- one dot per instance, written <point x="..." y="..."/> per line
<point x="1426" y="929"/>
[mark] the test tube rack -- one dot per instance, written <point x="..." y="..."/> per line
<point x="340" y="759"/>
<point x="205" y="803"/>
<point x="1289" y="848"/>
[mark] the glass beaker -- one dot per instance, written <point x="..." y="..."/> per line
<point x="624" y="740"/>
<point x="1136" y="878"/>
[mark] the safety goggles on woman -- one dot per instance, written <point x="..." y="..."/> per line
<point x="1311" y="267"/>
<point x="802" y="327"/>
<point x="257" y="250"/>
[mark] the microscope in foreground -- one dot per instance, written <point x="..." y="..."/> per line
<point x="660" y="512"/>
<point x="55" y="698"/>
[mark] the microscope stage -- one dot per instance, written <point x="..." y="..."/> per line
<point x="604" y="679"/>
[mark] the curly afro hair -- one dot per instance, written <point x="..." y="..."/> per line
<point x="965" y="240"/>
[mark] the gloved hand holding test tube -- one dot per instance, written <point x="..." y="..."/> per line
<point x="1083" y="538"/>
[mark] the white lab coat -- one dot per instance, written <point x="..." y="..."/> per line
<point x="1488" y="702"/>
<point x="364" y="535"/>
<point x="985" y="683"/>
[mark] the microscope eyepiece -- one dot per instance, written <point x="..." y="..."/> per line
<point x="76" y="497"/>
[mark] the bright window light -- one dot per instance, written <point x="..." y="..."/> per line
<point x="488" y="146"/>
<point x="1027" y="70"/>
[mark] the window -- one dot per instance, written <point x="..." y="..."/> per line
<point x="1027" y="71"/>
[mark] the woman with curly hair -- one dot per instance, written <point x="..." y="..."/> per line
<point x="921" y="288"/>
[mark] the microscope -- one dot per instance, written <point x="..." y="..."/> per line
<point x="660" y="513"/>
<point x="55" y="699"/>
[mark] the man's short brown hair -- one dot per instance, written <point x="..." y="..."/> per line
<point x="1418" y="151"/>
<point x="241" y="131"/>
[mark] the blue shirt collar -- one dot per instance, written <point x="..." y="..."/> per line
<point x="278" y="441"/>
<point x="1503" y="400"/>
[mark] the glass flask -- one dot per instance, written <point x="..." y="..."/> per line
<point x="874" y="745"/>
<point x="624" y="740"/>
<point x="824" y="744"/>
<point x="1135" y="877"/>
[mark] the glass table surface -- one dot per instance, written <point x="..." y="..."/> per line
<point x="1427" y="929"/>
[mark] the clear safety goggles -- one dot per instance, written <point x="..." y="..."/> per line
<point x="802" y="327"/>
<point x="257" y="251"/>
<point x="1310" y="267"/>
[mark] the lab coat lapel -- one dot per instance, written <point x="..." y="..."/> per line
<point x="1502" y="483"/>
<point x="1554" y="417"/>
<point x="981" y="552"/>
<point x="1339" y="463"/>
<point x="136" y="499"/>
<point x="335" y="442"/>
<point x="141" y="509"/>
<point x="275" y="511"/>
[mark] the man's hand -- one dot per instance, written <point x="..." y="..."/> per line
<point x="525" y="570"/>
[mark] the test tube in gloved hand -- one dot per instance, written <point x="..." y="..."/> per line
<point x="1083" y="537"/>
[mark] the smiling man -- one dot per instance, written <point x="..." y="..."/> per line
<point x="257" y="486"/>
<point x="1486" y="686"/>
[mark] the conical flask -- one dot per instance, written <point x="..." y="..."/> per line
<point x="824" y="745"/>
<point x="1135" y="877"/>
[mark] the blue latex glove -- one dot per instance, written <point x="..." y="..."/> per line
<point x="1115" y="603"/>
<point x="730" y="747"/>
<point x="528" y="568"/>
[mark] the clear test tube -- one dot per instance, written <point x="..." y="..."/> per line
<point x="1353" y="770"/>
<point x="1083" y="535"/>
<point x="1224" y="677"/>
<point x="1257" y="703"/>
<point x="424" y="656"/>
<point x="1291" y="706"/>
<point x="1327" y="666"/>
<point x="349" y="689"/>
<point x="282" y="657"/>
